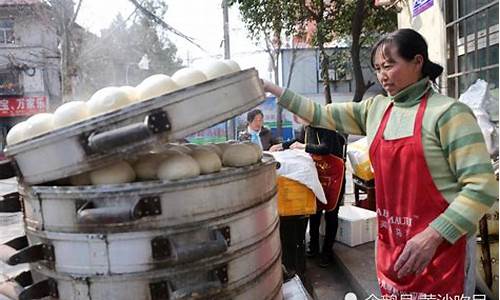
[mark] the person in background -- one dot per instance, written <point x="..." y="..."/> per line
<point x="433" y="175"/>
<point x="327" y="148"/>
<point x="256" y="132"/>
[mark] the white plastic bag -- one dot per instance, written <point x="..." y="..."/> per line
<point x="479" y="99"/>
<point x="299" y="166"/>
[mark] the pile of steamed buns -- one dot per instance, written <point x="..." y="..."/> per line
<point x="173" y="162"/>
<point x="114" y="98"/>
<point x="168" y="162"/>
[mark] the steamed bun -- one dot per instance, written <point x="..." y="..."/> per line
<point x="188" y="76"/>
<point x="214" y="69"/>
<point x="120" y="172"/>
<point x="178" y="166"/>
<point x="70" y="112"/>
<point x="108" y="99"/>
<point x="39" y="124"/>
<point x="154" y="86"/>
<point x="17" y="133"/>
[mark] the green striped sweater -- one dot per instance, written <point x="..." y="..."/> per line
<point x="454" y="147"/>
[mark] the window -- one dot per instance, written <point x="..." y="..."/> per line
<point x="9" y="83"/>
<point x="7" y="32"/>
<point x="472" y="41"/>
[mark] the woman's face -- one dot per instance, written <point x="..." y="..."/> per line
<point x="394" y="72"/>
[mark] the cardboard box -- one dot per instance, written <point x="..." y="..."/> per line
<point x="356" y="225"/>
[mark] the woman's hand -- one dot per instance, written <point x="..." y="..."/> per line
<point x="418" y="252"/>
<point x="298" y="146"/>
<point x="275" y="148"/>
<point x="272" y="88"/>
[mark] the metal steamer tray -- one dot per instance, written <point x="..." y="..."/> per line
<point x="149" y="204"/>
<point x="106" y="138"/>
<point x="227" y="277"/>
<point x="139" y="251"/>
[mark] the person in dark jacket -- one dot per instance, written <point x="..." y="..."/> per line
<point x="327" y="148"/>
<point x="256" y="132"/>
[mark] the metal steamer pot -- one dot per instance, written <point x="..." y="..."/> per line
<point x="139" y="251"/>
<point x="148" y="205"/>
<point x="106" y="138"/>
<point x="226" y="280"/>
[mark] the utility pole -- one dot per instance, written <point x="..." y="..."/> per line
<point x="231" y="123"/>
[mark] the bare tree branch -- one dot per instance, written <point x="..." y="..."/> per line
<point x="76" y="13"/>
<point x="159" y="21"/>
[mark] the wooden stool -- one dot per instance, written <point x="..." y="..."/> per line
<point x="365" y="188"/>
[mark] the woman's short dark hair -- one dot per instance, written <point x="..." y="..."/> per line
<point x="252" y="114"/>
<point x="408" y="44"/>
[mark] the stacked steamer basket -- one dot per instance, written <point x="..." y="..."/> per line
<point x="213" y="236"/>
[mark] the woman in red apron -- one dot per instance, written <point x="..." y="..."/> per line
<point x="425" y="241"/>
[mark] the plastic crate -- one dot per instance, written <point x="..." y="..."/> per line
<point x="356" y="225"/>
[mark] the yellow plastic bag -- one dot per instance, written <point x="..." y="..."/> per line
<point x="360" y="160"/>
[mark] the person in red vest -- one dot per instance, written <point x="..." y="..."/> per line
<point x="327" y="148"/>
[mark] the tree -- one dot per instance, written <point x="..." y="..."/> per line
<point x="112" y="58"/>
<point x="268" y="21"/>
<point x="334" y="20"/>
<point x="364" y="23"/>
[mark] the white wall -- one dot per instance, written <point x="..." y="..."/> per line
<point x="431" y="24"/>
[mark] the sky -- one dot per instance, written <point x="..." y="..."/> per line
<point x="200" y="19"/>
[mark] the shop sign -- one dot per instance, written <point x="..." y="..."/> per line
<point x="420" y="6"/>
<point x="22" y="106"/>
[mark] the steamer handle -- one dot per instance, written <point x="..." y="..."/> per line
<point x="10" y="203"/>
<point x="32" y="253"/>
<point x="104" y="215"/>
<point x="39" y="290"/>
<point x="186" y="253"/>
<point x="143" y="207"/>
<point x="216" y="280"/>
<point x="6" y="169"/>
<point x="155" y="122"/>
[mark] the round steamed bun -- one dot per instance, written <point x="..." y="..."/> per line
<point x="108" y="99"/>
<point x="239" y="155"/>
<point x="214" y="69"/>
<point x="17" y="133"/>
<point x="147" y="166"/>
<point x="39" y="124"/>
<point x="235" y="67"/>
<point x="132" y="92"/>
<point x="70" y="112"/>
<point x="208" y="161"/>
<point x="80" y="179"/>
<point x="155" y="85"/>
<point x="178" y="166"/>
<point x="187" y="76"/>
<point x="120" y="172"/>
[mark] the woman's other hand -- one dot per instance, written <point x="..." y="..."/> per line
<point x="298" y="146"/>
<point x="272" y="88"/>
<point x="275" y="148"/>
<point x="418" y="252"/>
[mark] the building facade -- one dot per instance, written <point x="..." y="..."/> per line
<point x="30" y="79"/>
<point x="462" y="37"/>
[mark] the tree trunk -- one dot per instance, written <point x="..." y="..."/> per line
<point x="279" y="109"/>
<point x="357" y="25"/>
<point x="324" y="62"/>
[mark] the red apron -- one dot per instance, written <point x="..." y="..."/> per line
<point x="407" y="201"/>
<point x="331" y="176"/>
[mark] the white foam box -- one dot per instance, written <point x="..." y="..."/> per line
<point x="356" y="225"/>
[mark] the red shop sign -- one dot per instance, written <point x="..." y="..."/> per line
<point x="22" y="106"/>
